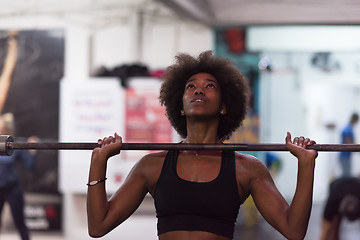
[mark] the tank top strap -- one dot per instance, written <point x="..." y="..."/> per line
<point x="168" y="166"/>
<point x="228" y="160"/>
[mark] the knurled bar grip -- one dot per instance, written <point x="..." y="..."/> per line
<point x="7" y="146"/>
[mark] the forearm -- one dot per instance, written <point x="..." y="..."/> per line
<point x="97" y="202"/>
<point x="300" y="207"/>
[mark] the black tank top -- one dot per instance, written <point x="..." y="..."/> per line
<point x="191" y="206"/>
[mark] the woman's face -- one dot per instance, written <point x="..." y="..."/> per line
<point x="202" y="96"/>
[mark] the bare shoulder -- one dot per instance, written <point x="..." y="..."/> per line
<point x="150" y="162"/>
<point x="248" y="170"/>
<point x="150" y="167"/>
<point x="248" y="163"/>
<point x="152" y="159"/>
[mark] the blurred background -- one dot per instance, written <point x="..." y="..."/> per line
<point x="88" y="68"/>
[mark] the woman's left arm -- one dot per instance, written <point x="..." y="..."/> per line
<point x="290" y="220"/>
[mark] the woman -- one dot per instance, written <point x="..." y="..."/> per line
<point x="11" y="190"/>
<point x="197" y="194"/>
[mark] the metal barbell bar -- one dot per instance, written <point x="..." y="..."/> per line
<point x="7" y="145"/>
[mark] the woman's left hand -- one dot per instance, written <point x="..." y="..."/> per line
<point x="297" y="147"/>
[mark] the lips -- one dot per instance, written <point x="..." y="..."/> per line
<point x="199" y="100"/>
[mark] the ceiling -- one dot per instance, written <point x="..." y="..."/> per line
<point x="90" y="13"/>
<point x="209" y="12"/>
<point x="260" y="12"/>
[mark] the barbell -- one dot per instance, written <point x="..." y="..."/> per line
<point x="7" y="146"/>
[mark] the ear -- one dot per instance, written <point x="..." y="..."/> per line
<point x="223" y="109"/>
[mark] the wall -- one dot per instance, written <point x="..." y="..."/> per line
<point x="311" y="97"/>
<point x="115" y="46"/>
<point x="87" y="48"/>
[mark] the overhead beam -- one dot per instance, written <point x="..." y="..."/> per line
<point x="191" y="10"/>
<point x="259" y="12"/>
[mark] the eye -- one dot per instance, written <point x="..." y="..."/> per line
<point x="189" y="86"/>
<point x="211" y="85"/>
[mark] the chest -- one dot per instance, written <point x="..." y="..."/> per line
<point x="198" y="168"/>
<point x="200" y="186"/>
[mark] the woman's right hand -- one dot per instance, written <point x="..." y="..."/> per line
<point x="109" y="146"/>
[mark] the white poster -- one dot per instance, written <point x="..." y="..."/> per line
<point x="89" y="110"/>
<point x="100" y="107"/>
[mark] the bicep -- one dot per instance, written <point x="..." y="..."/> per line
<point x="269" y="201"/>
<point x="127" y="198"/>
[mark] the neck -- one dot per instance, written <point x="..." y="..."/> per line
<point x="202" y="152"/>
<point x="202" y="132"/>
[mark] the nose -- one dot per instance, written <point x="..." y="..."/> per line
<point x="199" y="91"/>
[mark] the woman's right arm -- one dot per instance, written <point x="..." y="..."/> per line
<point x="103" y="214"/>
